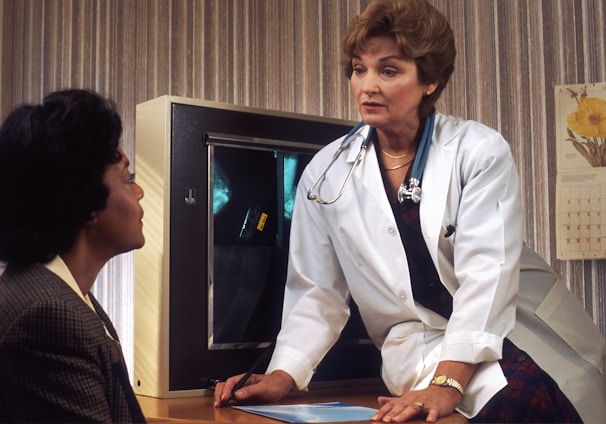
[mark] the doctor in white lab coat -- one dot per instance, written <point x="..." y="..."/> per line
<point x="469" y="223"/>
<point x="352" y="248"/>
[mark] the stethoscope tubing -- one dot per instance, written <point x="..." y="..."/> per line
<point x="412" y="191"/>
<point x="344" y="144"/>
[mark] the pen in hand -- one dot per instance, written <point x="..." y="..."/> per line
<point x="245" y="377"/>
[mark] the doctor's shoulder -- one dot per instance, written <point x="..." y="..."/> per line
<point x="469" y="135"/>
<point x="325" y="154"/>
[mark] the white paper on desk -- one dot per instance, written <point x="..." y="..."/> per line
<point x="329" y="412"/>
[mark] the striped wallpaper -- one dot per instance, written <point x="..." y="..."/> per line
<point x="284" y="55"/>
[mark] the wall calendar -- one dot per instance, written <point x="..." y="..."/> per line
<point x="581" y="171"/>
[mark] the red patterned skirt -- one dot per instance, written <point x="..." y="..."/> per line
<point x="531" y="395"/>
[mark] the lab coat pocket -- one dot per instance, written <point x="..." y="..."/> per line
<point x="563" y="313"/>
<point x="402" y="356"/>
<point x="446" y="246"/>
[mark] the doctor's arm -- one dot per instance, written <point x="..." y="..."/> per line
<point x="432" y="402"/>
<point x="487" y="247"/>
<point x="486" y="251"/>
<point x="315" y="310"/>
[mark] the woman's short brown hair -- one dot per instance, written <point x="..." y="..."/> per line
<point x="421" y="32"/>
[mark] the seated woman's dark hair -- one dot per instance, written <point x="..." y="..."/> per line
<point x="53" y="158"/>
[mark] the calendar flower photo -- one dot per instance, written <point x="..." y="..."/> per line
<point x="587" y="127"/>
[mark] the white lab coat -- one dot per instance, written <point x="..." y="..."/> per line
<point x="554" y="329"/>
<point x="353" y="247"/>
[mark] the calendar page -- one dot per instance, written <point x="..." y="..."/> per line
<point x="581" y="171"/>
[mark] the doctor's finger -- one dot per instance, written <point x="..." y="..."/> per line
<point x="268" y="388"/>
<point x="219" y="388"/>
<point x="223" y="389"/>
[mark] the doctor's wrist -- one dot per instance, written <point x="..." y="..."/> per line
<point x="447" y="382"/>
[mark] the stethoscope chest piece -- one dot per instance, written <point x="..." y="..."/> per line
<point x="412" y="192"/>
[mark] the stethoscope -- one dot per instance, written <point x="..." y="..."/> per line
<point x="412" y="191"/>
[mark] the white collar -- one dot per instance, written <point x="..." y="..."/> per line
<point x="58" y="266"/>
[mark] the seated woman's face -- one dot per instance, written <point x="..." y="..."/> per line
<point x="119" y="227"/>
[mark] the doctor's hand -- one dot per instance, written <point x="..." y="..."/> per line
<point x="430" y="403"/>
<point x="259" y="387"/>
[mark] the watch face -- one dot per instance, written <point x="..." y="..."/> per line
<point x="440" y="379"/>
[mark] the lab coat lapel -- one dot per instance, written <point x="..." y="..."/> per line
<point x="368" y="175"/>
<point x="436" y="185"/>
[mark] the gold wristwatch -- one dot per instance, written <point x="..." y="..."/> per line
<point x="445" y="381"/>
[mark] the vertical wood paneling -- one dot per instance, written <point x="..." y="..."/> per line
<point x="285" y="55"/>
<point x="456" y="102"/>
<point x="306" y="88"/>
<point x="535" y="146"/>
<point x="513" y="105"/>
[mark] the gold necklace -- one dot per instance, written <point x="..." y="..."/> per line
<point x="394" y="156"/>
<point x="402" y="165"/>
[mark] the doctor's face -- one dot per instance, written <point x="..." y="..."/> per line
<point x="386" y="85"/>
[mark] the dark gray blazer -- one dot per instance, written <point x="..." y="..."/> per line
<point x="57" y="364"/>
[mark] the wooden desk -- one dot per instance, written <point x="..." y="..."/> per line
<point x="197" y="410"/>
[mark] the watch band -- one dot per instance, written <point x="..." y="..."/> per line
<point x="445" y="381"/>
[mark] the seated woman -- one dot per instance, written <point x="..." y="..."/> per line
<point x="69" y="204"/>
